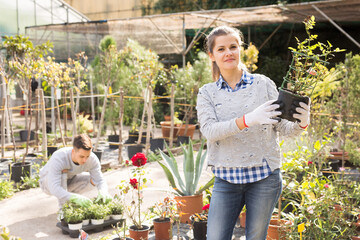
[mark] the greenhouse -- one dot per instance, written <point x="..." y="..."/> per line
<point x="219" y="123"/>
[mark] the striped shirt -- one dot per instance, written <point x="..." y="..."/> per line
<point x="233" y="174"/>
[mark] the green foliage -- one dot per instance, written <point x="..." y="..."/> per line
<point x="134" y="68"/>
<point x="6" y="189"/>
<point x="98" y="211"/>
<point x="106" y="43"/>
<point x="85" y="125"/>
<point x="116" y="207"/>
<point x="353" y="152"/>
<point x="5" y="234"/>
<point x="192" y="170"/>
<point x="72" y="213"/>
<point x="308" y="63"/>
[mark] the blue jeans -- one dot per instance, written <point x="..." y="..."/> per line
<point x="228" y="200"/>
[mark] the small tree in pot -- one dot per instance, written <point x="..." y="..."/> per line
<point x="306" y="70"/>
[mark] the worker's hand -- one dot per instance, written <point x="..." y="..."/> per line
<point x="264" y="114"/>
<point x="103" y="197"/>
<point x="303" y="114"/>
<point x="80" y="200"/>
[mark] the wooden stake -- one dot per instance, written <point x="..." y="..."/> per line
<point x="37" y="112"/>
<point x="172" y="104"/>
<point x="149" y="110"/>
<point x="121" y="118"/>
<point x="73" y="113"/>
<point x="3" y="128"/>
<point x="43" y="121"/>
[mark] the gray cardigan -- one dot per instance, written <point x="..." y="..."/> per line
<point x="228" y="146"/>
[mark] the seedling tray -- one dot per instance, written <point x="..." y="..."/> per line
<point x="88" y="228"/>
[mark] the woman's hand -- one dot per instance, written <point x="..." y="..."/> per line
<point x="264" y="114"/>
<point x="303" y="114"/>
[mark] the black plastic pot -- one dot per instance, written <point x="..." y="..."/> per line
<point x="157" y="143"/>
<point x="51" y="150"/>
<point x="113" y="141"/>
<point x="182" y="140"/>
<point x="24" y="135"/>
<point x="133" y="149"/>
<point x="133" y="137"/>
<point x="17" y="170"/>
<point x="98" y="153"/>
<point x="199" y="230"/>
<point x="334" y="164"/>
<point x="288" y="103"/>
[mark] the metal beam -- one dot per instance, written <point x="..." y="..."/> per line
<point x="196" y="38"/>
<point x="215" y="18"/>
<point x="167" y="38"/>
<point x="269" y="37"/>
<point x="337" y="26"/>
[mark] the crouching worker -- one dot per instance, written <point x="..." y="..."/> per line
<point x="70" y="170"/>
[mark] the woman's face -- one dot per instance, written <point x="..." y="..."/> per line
<point x="226" y="52"/>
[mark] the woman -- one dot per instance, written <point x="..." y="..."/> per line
<point x="238" y="116"/>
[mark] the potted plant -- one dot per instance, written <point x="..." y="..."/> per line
<point x="73" y="215"/>
<point x="136" y="183"/>
<point x="98" y="213"/>
<point x="165" y="213"/>
<point x="116" y="208"/>
<point x="199" y="223"/>
<point x="186" y="188"/>
<point x="305" y="71"/>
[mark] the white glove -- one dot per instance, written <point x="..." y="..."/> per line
<point x="263" y="114"/>
<point x="303" y="114"/>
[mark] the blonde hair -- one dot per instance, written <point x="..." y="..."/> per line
<point x="210" y="43"/>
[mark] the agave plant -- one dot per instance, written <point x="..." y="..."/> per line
<point x="192" y="170"/>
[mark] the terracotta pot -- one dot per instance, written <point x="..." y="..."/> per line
<point x="190" y="205"/>
<point x="178" y="130"/>
<point x="355" y="238"/>
<point x="163" y="229"/>
<point x="243" y="219"/>
<point x="277" y="229"/>
<point x="141" y="234"/>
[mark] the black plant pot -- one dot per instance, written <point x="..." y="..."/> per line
<point x="199" y="230"/>
<point x="334" y="164"/>
<point x="288" y="103"/>
<point x="133" y="137"/>
<point x="51" y="150"/>
<point x="114" y="141"/>
<point x="17" y="171"/>
<point x="133" y="149"/>
<point x="24" y="135"/>
<point x="182" y="140"/>
<point x="157" y="143"/>
<point x="98" y="153"/>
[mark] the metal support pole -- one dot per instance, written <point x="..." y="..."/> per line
<point x="337" y="26"/>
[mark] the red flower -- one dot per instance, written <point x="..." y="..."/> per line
<point x="310" y="162"/>
<point x="206" y="207"/>
<point x="134" y="183"/>
<point x="326" y="185"/>
<point x="127" y="162"/>
<point x="139" y="160"/>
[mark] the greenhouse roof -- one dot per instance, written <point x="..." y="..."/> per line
<point x="164" y="33"/>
